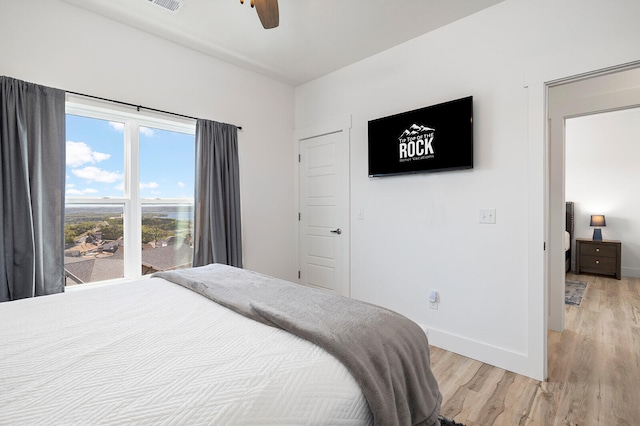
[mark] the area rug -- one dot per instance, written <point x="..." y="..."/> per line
<point x="574" y="292"/>
<point x="448" y="422"/>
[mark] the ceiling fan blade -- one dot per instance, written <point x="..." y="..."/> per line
<point x="268" y="13"/>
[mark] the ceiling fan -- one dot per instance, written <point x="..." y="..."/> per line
<point x="267" y="12"/>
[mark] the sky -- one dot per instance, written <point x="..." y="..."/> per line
<point x="95" y="160"/>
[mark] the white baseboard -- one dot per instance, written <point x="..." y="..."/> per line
<point x="507" y="359"/>
<point x="630" y="272"/>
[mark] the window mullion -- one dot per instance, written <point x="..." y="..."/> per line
<point x="133" y="216"/>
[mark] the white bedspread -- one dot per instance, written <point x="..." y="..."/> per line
<point x="153" y="352"/>
<point x="567" y="240"/>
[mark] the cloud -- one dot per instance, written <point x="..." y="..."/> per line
<point x="81" y="192"/>
<point x="148" y="185"/>
<point x="91" y="174"/>
<point x="100" y="156"/>
<point x="147" y="131"/>
<point x="181" y="185"/>
<point x="119" y="187"/>
<point x="118" y="127"/>
<point x="79" y="153"/>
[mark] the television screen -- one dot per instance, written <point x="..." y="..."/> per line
<point x="430" y="139"/>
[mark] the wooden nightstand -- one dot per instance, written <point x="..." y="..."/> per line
<point x="598" y="257"/>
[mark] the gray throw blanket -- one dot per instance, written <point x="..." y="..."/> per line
<point x="387" y="354"/>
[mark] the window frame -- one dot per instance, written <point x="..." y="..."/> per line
<point x="131" y="201"/>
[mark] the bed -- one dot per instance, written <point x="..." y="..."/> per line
<point x="568" y="234"/>
<point x="161" y="351"/>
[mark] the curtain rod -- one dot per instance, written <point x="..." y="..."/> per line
<point x="138" y="107"/>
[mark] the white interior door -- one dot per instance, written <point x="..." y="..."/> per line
<point x="324" y="211"/>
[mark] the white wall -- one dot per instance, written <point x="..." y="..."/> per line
<point x="421" y="232"/>
<point x="602" y="177"/>
<point x="53" y="43"/>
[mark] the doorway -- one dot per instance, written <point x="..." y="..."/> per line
<point x="599" y="92"/>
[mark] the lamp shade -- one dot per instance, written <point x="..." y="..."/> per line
<point x="597" y="220"/>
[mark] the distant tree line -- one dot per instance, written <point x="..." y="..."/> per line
<point x="153" y="228"/>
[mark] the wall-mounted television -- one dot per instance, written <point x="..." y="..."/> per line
<point x="431" y="139"/>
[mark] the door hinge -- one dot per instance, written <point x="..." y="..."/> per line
<point x="544" y="245"/>
<point x="299" y="275"/>
<point x="299" y="158"/>
<point x="299" y="217"/>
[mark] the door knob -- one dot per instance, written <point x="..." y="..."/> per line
<point x="336" y="231"/>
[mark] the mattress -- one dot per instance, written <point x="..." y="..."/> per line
<point x="152" y="352"/>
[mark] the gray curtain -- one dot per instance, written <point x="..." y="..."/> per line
<point x="32" y="156"/>
<point x="218" y="237"/>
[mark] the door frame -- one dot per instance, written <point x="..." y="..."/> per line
<point x="340" y="126"/>
<point x="590" y="98"/>
<point x="538" y="75"/>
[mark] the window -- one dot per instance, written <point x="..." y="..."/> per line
<point x="129" y="192"/>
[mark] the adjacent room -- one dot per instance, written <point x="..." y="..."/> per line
<point x="195" y="132"/>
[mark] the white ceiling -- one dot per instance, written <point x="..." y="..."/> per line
<point x="315" y="37"/>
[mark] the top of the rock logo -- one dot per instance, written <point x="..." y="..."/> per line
<point x="416" y="130"/>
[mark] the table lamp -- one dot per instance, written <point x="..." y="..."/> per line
<point x="598" y="221"/>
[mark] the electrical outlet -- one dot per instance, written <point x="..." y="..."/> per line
<point x="488" y="216"/>
<point x="433" y="299"/>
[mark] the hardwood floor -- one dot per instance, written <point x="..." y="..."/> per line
<point x="594" y="369"/>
